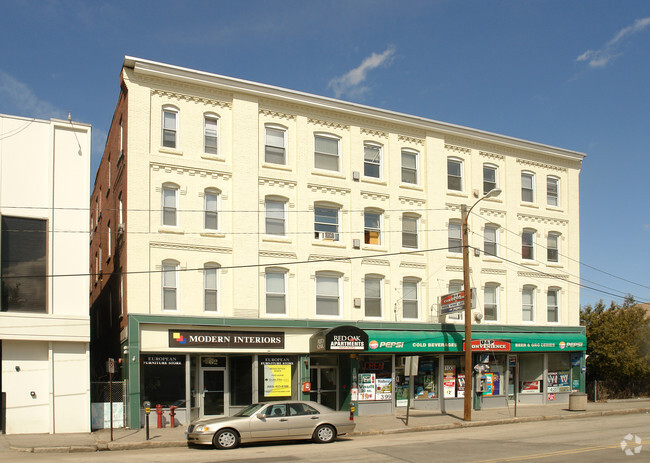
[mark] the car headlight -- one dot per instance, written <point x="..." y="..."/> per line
<point x="202" y="429"/>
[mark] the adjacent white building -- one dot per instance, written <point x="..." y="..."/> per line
<point x="44" y="322"/>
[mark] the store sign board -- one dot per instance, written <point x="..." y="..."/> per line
<point x="227" y="339"/>
<point x="163" y="360"/>
<point x="489" y="345"/>
<point x="215" y="362"/>
<point x="454" y="302"/>
<point x="340" y="339"/>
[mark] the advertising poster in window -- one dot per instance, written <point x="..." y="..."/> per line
<point x="552" y="380"/>
<point x="401" y="392"/>
<point x="461" y="386"/>
<point x="530" y="387"/>
<point x="563" y="381"/>
<point x="277" y="380"/>
<point x="493" y="381"/>
<point x="449" y="381"/>
<point x="367" y="386"/>
<point x="384" y="388"/>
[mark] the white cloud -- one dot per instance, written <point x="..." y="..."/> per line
<point x="351" y="83"/>
<point x="646" y="226"/>
<point x="17" y="97"/>
<point x="601" y="58"/>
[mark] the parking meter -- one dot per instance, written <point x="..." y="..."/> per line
<point x="147" y="409"/>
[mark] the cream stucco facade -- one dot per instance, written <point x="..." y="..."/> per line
<point x="44" y="178"/>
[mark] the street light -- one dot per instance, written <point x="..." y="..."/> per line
<point x="468" y="305"/>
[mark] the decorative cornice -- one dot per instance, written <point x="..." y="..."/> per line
<point x="526" y="162"/>
<point x="556" y="276"/>
<point x="412" y="265"/>
<point x="542" y="219"/>
<point x="487" y="155"/>
<point x="412" y="201"/>
<point x="452" y="207"/>
<point x="484" y="211"/>
<point x="276" y="182"/>
<point x="458" y="149"/>
<point x="374" y="196"/>
<point x="324" y="258"/>
<point x="374" y="133"/>
<point x="454" y="268"/>
<point x="277" y="114"/>
<point x="315" y="188"/>
<point x="278" y="255"/>
<point x="494" y="271"/>
<point x="182" y="170"/>
<point x="189" y="247"/>
<point x="328" y="124"/>
<point x="368" y="260"/>
<point x="191" y="98"/>
<point x="412" y="140"/>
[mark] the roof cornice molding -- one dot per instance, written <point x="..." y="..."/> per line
<point x="155" y="69"/>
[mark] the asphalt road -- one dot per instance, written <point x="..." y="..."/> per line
<point x="577" y="440"/>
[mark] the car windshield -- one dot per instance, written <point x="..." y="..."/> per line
<point x="250" y="410"/>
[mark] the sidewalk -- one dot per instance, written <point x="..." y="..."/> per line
<point x="419" y="420"/>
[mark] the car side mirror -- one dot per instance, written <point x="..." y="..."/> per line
<point x="260" y="416"/>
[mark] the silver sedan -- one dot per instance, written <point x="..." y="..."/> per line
<point x="271" y="421"/>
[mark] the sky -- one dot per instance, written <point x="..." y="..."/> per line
<point x="575" y="75"/>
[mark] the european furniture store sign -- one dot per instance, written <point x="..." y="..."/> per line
<point x="227" y="339"/>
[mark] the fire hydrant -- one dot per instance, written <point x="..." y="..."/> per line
<point x="172" y="414"/>
<point x="159" y="412"/>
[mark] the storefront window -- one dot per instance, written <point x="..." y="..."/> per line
<point x="276" y="377"/>
<point x="453" y="376"/>
<point x="241" y="380"/>
<point x="558" y="378"/>
<point x="375" y="377"/>
<point x="163" y="379"/>
<point x="425" y="381"/>
<point x="531" y="370"/>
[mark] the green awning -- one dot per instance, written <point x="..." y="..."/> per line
<point x="452" y="341"/>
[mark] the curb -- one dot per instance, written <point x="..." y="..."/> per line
<point x="108" y="446"/>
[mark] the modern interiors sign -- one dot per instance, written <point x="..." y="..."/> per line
<point x="227" y="339"/>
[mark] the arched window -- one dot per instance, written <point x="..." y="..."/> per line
<point x="372" y="160"/>
<point x="276" y="291"/>
<point x="410" y="225"/>
<point x="211" y="207"/>
<point x="170" y="126"/>
<point x="211" y="133"/>
<point x="455" y="174"/>
<point x="528" y="303"/>
<point x="328" y="293"/>
<point x="491" y="302"/>
<point x="372" y="226"/>
<point x="409" y="166"/>
<point x="490" y="176"/>
<point x="275" y="215"/>
<point x="490" y="235"/>
<point x="211" y="287"/>
<point x="528" y="244"/>
<point x="170" y="205"/>
<point x="552" y="247"/>
<point x="373" y="295"/>
<point x="170" y="285"/>
<point x="455" y="239"/>
<point x="327" y="152"/>
<point x="528" y="187"/>
<point x="411" y="298"/>
<point x="327" y="221"/>
<point x="275" y="144"/>
<point x="552" y="305"/>
<point x="552" y="191"/>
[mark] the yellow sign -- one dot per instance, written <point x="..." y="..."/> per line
<point x="277" y="380"/>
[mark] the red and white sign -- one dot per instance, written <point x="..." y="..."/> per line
<point x="490" y="344"/>
<point x="530" y="387"/>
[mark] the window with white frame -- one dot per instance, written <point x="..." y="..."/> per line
<point x="372" y="301"/>
<point x="489" y="178"/>
<point x="410" y="304"/>
<point x="275" y="151"/>
<point x="454" y="174"/>
<point x="490" y="234"/>
<point x="211" y="202"/>
<point x="528" y="304"/>
<point x="552" y="191"/>
<point x="169" y="285"/>
<point x="491" y="302"/>
<point x="456" y="286"/>
<point x="409" y="166"/>
<point x="409" y="231"/>
<point x="552" y="251"/>
<point x="372" y="227"/>
<point x="528" y="244"/>
<point x="455" y="239"/>
<point x="211" y="287"/>
<point x="170" y="205"/>
<point x="326" y="222"/>
<point x="275" y="221"/>
<point x="211" y="134"/>
<point x="327" y="294"/>
<point x="276" y="291"/>
<point x="120" y="208"/>
<point x="552" y="299"/>
<point x="170" y="127"/>
<point x="110" y="237"/>
<point x="372" y="160"/>
<point x="326" y="152"/>
<point x="121" y="141"/>
<point x="528" y="187"/>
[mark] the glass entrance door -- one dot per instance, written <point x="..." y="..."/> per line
<point x="324" y="385"/>
<point x="212" y="397"/>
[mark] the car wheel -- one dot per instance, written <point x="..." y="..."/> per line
<point x="324" y="434"/>
<point x="225" y="439"/>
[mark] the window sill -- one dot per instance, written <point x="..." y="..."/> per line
<point x="459" y="194"/>
<point x="554" y="265"/>
<point x="328" y="244"/>
<point x="213" y="157"/>
<point x="278" y="239"/>
<point x="531" y="205"/>
<point x="554" y="208"/>
<point x="456" y="255"/>
<point x="212" y="234"/>
<point x="411" y="186"/>
<point x="173" y="151"/>
<point x="327" y="173"/>
<point x="374" y="181"/>
<point x="172" y="231"/>
<point x="529" y="263"/>
<point x="373" y="247"/>
<point x="412" y="251"/>
<point x="270" y="165"/>
<point x="275" y="315"/>
<point x="493" y="259"/>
